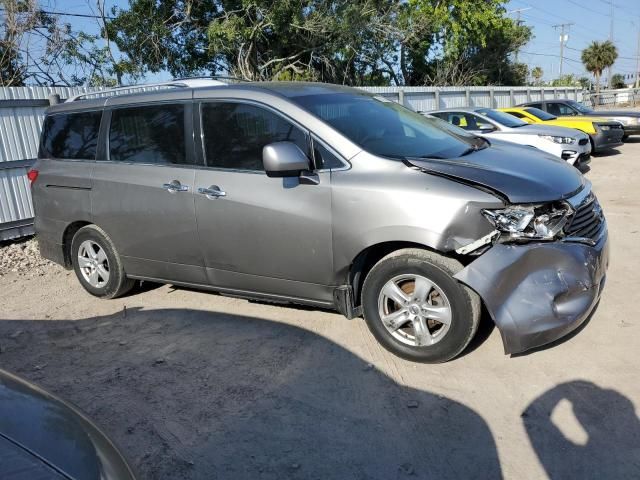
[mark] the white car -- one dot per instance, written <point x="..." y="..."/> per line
<point x="566" y="143"/>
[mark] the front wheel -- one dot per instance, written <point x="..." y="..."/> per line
<point x="416" y="309"/>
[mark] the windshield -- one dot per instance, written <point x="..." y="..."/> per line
<point x="502" y="118"/>
<point x="541" y="114"/>
<point x="385" y="128"/>
<point x="581" y="108"/>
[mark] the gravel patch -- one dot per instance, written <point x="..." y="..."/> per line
<point x="23" y="258"/>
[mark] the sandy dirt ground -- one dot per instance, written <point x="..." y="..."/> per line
<point x="194" y="385"/>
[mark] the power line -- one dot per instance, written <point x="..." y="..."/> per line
<point x="64" y="14"/>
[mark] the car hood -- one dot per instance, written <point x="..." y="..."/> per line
<point x="541" y="129"/>
<point x="38" y="427"/>
<point x="517" y="173"/>
<point x="618" y="113"/>
<point x="582" y="118"/>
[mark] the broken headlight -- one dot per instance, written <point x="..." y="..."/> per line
<point x="530" y="222"/>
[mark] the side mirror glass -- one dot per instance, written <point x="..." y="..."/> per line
<point x="284" y="159"/>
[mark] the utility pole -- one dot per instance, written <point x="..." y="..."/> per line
<point x="563" y="39"/>
<point x="637" y="58"/>
<point x="611" y="40"/>
<point x="518" y="21"/>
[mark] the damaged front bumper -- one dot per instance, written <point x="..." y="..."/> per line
<point x="539" y="292"/>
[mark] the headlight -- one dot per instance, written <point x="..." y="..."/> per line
<point x="604" y="127"/>
<point x="530" y="222"/>
<point x="554" y="139"/>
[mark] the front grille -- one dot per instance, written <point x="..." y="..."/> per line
<point x="587" y="221"/>
<point x="583" y="141"/>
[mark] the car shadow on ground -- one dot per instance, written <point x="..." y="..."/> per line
<point x="604" y="444"/>
<point x="190" y="394"/>
<point x="606" y="153"/>
<point x="205" y="395"/>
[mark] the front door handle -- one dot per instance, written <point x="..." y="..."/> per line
<point x="212" y="192"/>
<point x="175" y="186"/>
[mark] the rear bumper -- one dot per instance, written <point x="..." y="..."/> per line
<point x="539" y="292"/>
<point x="604" y="140"/>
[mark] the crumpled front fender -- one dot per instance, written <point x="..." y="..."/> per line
<point x="538" y="292"/>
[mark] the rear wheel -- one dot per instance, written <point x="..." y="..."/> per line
<point x="97" y="264"/>
<point x="416" y="309"/>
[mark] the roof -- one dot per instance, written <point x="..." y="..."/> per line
<point x="459" y="109"/>
<point x="179" y="90"/>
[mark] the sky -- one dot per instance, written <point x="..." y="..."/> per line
<point x="591" y="20"/>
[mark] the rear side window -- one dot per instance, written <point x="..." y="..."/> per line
<point x="70" y="136"/>
<point x="517" y="114"/>
<point x="235" y="133"/>
<point x="152" y="134"/>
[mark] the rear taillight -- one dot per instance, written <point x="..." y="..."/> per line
<point x="32" y="175"/>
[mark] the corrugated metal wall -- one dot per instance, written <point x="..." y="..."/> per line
<point x="20" y="123"/>
<point x="21" y="120"/>
<point x="424" y="99"/>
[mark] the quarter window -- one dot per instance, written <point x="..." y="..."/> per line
<point x="151" y="134"/>
<point x="325" y="159"/>
<point x="235" y="133"/>
<point x="70" y="136"/>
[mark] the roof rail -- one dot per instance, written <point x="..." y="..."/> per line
<point x="177" y="83"/>
<point x="222" y="78"/>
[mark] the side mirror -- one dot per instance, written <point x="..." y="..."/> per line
<point x="284" y="159"/>
<point x="485" y="128"/>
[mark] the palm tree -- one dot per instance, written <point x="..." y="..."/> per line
<point x="598" y="56"/>
<point x="537" y="74"/>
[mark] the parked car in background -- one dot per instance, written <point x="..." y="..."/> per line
<point x="566" y="143"/>
<point x="629" y="119"/>
<point x="323" y="195"/>
<point x="44" y="438"/>
<point x="604" y="134"/>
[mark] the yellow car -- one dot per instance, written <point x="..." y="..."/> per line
<point x="603" y="133"/>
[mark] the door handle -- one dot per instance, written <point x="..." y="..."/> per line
<point x="175" y="186"/>
<point x="212" y="192"/>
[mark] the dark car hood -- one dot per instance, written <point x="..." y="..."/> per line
<point x="38" y="427"/>
<point x="520" y="174"/>
<point x="615" y="113"/>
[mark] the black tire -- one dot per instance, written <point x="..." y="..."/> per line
<point x="464" y="302"/>
<point x="117" y="284"/>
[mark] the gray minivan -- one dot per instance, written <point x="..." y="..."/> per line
<point x="321" y="195"/>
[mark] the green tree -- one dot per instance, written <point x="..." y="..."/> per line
<point x="537" y="73"/>
<point x="598" y="56"/>
<point x="569" y="80"/>
<point x="617" y="81"/>
<point x="356" y="42"/>
<point x="464" y="43"/>
<point x="157" y="35"/>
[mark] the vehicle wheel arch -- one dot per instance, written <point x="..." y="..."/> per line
<point x="67" y="239"/>
<point x="372" y="254"/>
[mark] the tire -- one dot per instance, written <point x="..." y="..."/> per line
<point x="428" y="271"/>
<point x="625" y="138"/>
<point x="97" y="264"/>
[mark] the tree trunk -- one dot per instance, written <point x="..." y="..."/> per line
<point x="597" y="74"/>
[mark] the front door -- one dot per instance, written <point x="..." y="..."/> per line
<point x="260" y="234"/>
<point x="142" y="192"/>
